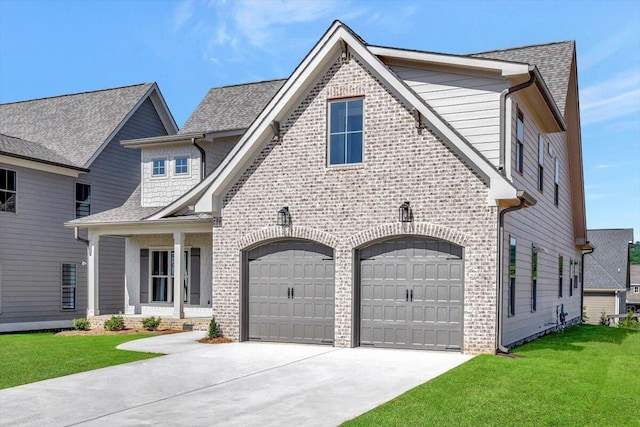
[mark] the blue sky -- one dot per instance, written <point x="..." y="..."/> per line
<point x="50" y="48"/>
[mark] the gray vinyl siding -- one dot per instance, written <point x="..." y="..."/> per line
<point x="471" y="104"/>
<point x="547" y="226"/>
<point x="597" y="302"/>
<point x="34" y="243"/>
<point x="217" y="150"/>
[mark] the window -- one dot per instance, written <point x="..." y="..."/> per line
<point x="182" y="166"/>
<point x="345" y="132"/>
<point x="69" y="286"/>
<point x="83" y="200"/>
<point x="540" y="162"/>
<point x="636" y="289"/>
<point x="512" y="276"/>
<point x="519" y="141"/>
<point x="556" y="180"/>
<point x="8" y="192"/>
<point x="560" y="262"/>
<point x="576" y="274"/>
<point x="162" y="273"/>
<point x="571" y="271"/>
<point x="158" y="167"/>
<point x="534" y="278"/>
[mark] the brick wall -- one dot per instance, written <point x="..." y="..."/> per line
<point x="349" y="206"/>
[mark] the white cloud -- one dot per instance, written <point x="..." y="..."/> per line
<point x="608" y="47"/>
<point x="182" y="13"/>
<point x="615" y="97"/>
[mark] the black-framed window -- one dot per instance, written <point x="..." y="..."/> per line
<point x="8" y="190"/>
<point x="556" y="182"/>
<point x="534" y="278"/>
<point x="512" y="275"/>
<point x="83" y="200"/>
<point x="68" y="288"/>
<point x="345" y="131"/>
<point x="540" y="162"/>
<point x="576" y="273"/>
<point x="571" y="271"/>
<point x="519" y="141"/>
<point x="560" y="268"/>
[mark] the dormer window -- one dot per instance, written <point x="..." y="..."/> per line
<point x="182" y="166"/>
<point x="158" y="167"/>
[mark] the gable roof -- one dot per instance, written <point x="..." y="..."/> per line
<point x="28" y="150"/>
<point x="231" y="107"/>
<point x="327" y="50"/>
<point x="552" y="59"/>
<point x="608" y="266"/>
<point x="77" y="126"/>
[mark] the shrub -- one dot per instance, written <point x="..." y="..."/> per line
<point x="151" y="323"/>
<point x="214" y="330"/>
<point x="585" y="318"/>
<point x="604" y="319"/>
<point x="629" y="322"/>
<point x="116" y="323"/>
<point x="81" y="324"/>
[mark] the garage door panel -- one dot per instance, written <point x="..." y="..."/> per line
<point x="291" y="292"/>
<point x="419" y="298"/>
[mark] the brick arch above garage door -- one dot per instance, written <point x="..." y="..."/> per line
<point x="421" y="229"/>
<point x="267" y="234"/>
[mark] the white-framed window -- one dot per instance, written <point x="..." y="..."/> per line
<point x="159" y="167"/>
<point x="512" y="275"/>
<point x="540" y="162"/>
<point x="346" y="131"/>
<point x="519" y="141"/>
<point x="161" y="274"/>
<point x="68" y="286"/>
<point x="8" y="190"/>
<point x="83" y="200"/>
<point x="181" y="165"/>
<point x="556" y="182"/>
<point x="636" y="289"/>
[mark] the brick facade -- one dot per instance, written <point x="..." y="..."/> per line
<point x="348" y="207"/>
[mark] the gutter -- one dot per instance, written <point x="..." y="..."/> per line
<point x="203" y="159"/>
<point x="46" y="162"/>
<point x="76" y="234"/>
<point x="590" y="251"/>
<point x="525" y="201"/>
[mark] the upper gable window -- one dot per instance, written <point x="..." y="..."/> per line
<point x="182" y="166"/>
<point x="8" y="191"/>
<point x="519" y="141"/>
<point x="83" y="200"/>
<point x="158" y="167"/>
<point x="345" y="131"/>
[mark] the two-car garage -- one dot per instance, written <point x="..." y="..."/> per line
<point x="408" y="293"/>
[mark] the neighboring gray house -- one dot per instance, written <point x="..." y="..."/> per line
<point x="606" y="273"/>
<point x="60" y="159"/>
<point x="378" y="197"/>
<point x="633" y="294"/>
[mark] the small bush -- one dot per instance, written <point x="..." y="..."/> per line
<point x="214" y="330"/>
<point x="116" y="323"/>
<point x="629" y="322"/>
<point x="585" y="318"/>
<point x="151" y="323"/>
<point x="81" y="324"/>
<point x="604" y="319"/>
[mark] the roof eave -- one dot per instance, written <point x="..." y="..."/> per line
<point x="46" y="162"/>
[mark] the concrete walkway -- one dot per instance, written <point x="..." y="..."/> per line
<point x="238" y="384"/>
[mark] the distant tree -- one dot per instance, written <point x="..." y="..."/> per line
<point x="634" y="253"/>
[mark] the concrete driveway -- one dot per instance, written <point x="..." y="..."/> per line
<point x="238" y="384"/>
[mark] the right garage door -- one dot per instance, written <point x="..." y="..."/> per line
<point x="411" y="294"/>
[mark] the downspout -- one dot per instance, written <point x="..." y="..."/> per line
<point x="203" y="157"/>
<point x="78" y="238"/>
<point x="500" y="281"/>
<point x="503" y="114"/>
<point x="590" y="251"/>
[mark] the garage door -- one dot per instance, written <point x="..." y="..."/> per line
<point x="411" y="295"/>
<point x="291" y="292"/>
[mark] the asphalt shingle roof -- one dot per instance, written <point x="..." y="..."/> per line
<point x="32" y="150"/>
<point x="71" y="126"/>
<point x="129" y="211"/>
<point x="552" y="59"/>
<point x="607" y="267"/>
<point x="231" y="107"/>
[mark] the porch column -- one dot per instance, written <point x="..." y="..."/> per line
<point x="178" y="288"/>
<point x="93" y="275"/>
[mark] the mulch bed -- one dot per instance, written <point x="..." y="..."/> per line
<point x="217" y="340"/>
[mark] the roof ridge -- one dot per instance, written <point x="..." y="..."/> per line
<point x="249" y="83"/>
<point x="521" y="47"/>
<point x="77" y="93"/>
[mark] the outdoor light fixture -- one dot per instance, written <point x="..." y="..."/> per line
<point x="284" y="217"/>
<point x="405" y="212"/>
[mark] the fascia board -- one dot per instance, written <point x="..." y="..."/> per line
<point x="146" y="227"/>
<point x="506" y="69"/>
<point x="41" y="165"/>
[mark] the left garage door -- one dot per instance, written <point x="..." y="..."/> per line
<point x="291" y="292"/>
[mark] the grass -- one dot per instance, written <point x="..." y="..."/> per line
<point x="26" y="358"/>
<point x="585" y="376"/>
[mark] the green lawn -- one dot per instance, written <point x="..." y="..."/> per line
<point x="586" y="376"/>
<point x="26" y="358"/>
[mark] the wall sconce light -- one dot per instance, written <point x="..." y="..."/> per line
<point x="284" y="217"/>
<point x="405" y="212"/>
